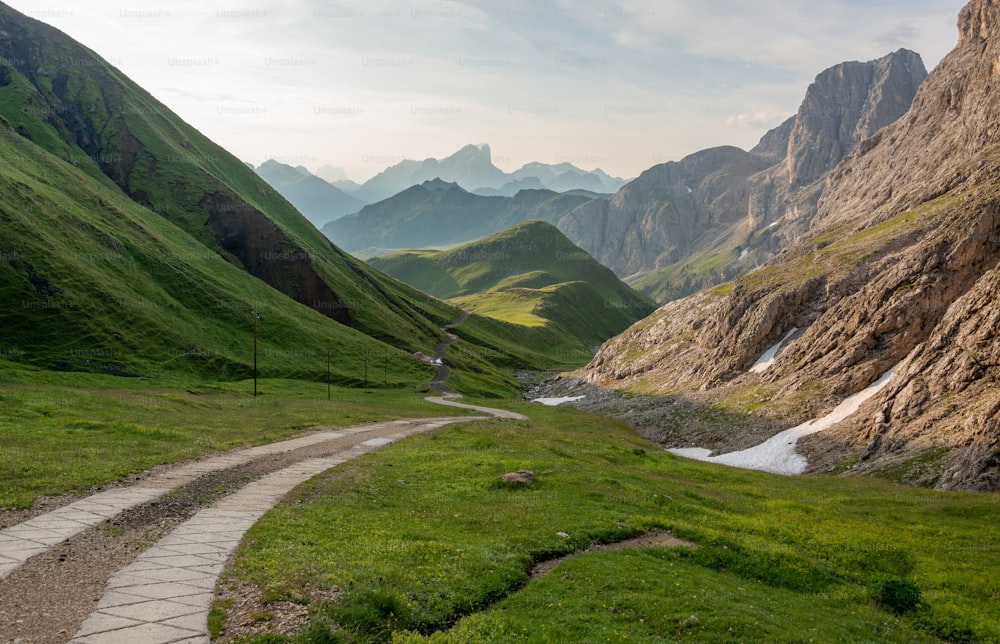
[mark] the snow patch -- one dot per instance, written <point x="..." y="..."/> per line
<point x="765" y="361"/>
<point x="743" y="254"/>
<point x="777" y="454"/>
<point x="555" y="402"/>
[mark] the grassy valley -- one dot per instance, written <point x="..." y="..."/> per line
<point x="161" y="303"/>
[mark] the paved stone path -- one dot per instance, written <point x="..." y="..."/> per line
<point x="166" y="593"/>
<point x="20" y="542"/>
<point x="164" y="596"/>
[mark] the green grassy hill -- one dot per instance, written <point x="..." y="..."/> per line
<point x="91" y="281"/>
<point x="553" y="296"/>
<point x="67" y="100"/>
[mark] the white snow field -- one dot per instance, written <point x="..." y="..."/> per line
<point x="555" y="402"/>
<point x="777" y="454"/>
<point x="765" y="361"/>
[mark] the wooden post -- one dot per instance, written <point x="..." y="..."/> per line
<point x="328" y="376"/>
<point x="255" y="353"/>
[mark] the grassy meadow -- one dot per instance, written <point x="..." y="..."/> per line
<point x="423" y="543"/>
<point x="65" y="433"/>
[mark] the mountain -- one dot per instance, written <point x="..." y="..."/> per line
<point x="511" y="188"/>
<point x="319" y="201"/>
<point x="437" y="214"/>
<point x="124" y="153"/>
<point x="867" y="96"/>
<point x="685" y="225"/>
<point x="667" y="212"/>
<point x="899" y="271"/>
<point x="530" y="275"/>
<point x="472" y="168"/>
<point x="565" y="176"/>
<point x="92" y="281"/>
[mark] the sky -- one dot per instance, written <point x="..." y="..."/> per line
<point x="363" y="84"/>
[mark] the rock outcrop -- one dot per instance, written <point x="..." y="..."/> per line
<point x="897" y="270"/>
<point x="844" y="106"/>
<point x="695" y="221"/>
<point x="670" y="209"/>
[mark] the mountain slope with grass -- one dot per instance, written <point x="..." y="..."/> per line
<point x="531" y="276"/>
<point x="67" y="100"/>
<point x="438" y="214"/>
<point x="92" y="281"/>
<point x="899" y="272"/>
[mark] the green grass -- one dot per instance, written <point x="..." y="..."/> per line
<point x="423" y="543"/>
<point x="62" y="433"/>
<point x="550" y="298"/>
<point x="517" y="306"/>
<point x="107" y="185"/>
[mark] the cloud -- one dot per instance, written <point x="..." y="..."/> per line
<point x="626" y="81"/>
<point x="758" y="120"/>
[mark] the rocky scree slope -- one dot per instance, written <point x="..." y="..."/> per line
<point x="901" y="271"/>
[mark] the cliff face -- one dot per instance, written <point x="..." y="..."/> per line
<point x="711" y="206"/>
<point x="844" y="106"/>
<point x="668" y="211"/>
<point x="900" y="270"/>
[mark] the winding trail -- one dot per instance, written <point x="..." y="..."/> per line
<point x="163" y="594"/>
<point x="441" y="370"/>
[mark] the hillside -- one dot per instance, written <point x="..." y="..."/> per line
<point x="899" y="272"/>
<point x="69" y="101"/>
<point x="530" y="275"/>
<point x="316" y="199"/>
<point x="92" y="281"/>
<point x="437" y="214"/>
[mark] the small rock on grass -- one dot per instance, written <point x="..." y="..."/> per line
<point x="521" y="477"/>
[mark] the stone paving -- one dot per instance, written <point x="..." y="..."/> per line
<point x="20" y="542"/>
<point x="27" y="539"/>
<point x="165" y="594"/>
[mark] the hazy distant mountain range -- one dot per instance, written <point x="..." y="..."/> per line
<point x="328" y="195"/>
<point x="472" y="168"/>
<point x="317" y="199"/>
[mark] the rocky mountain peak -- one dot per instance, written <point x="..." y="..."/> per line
<point x="979" y="21"/>
<point x="845" y="105"/>
<point x="896" y="272"/>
